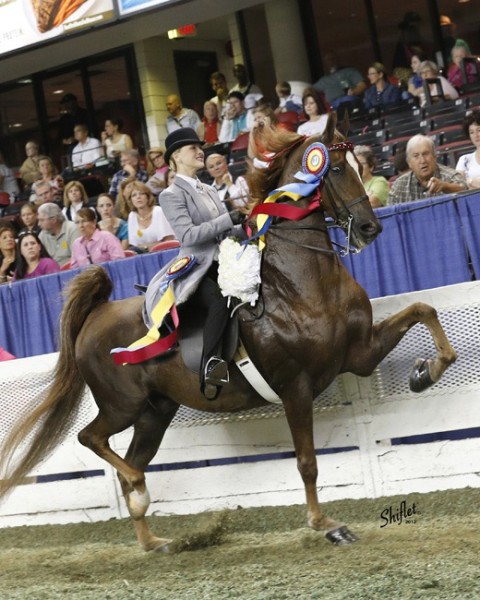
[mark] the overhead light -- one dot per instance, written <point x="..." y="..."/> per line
<point x="25" y="80"/>
<point x="58" y="91"/>
<point x="15" y="124"/>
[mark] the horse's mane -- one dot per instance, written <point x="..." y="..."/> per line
<point x="276" y="141"/>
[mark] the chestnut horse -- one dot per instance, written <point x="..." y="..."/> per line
<point x="313" y="322"/>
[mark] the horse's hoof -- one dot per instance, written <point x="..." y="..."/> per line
<point x="165" y="547"/>
<point x="420" y="378"/>
<point x="342" y="536"/>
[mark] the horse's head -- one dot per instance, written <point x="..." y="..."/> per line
<point x="343" y="194"/>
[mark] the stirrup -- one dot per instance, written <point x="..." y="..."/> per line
<point x="216" y="371"/>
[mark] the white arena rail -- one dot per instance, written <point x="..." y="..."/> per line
<point x="364" y="430"/>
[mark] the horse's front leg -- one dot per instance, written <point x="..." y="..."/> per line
<point x="388" y="333"/>
<point x="299" y="413"/>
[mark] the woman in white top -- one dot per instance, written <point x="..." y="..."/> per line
<point x="469" y="164"/>
<point x="114" y="140"/>
<point x="314" y="109"/>
<point x="147" y="225"/>
<point x="429" y="70"/>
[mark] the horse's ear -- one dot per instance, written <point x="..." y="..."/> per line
<point x="330" y="127"/>
<point x="344" y="126"/>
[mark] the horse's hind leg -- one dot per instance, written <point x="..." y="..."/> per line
<point x="387" y="334"/>
<point x="148" y="434"/>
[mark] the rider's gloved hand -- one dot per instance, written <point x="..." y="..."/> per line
<point x="237" y="217"/>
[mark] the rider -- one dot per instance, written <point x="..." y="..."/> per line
<point x="200" y="222"/>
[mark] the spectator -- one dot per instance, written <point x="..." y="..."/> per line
<point x="57" y="233"/>
<point x="29" y="170"/>
<point x="243" y="85"/>
<point x="376" y="186"/>
<point x="156" y="170"/>
<point x="71" y="114"/>
<point x="74" y="198"/>
<point x="7" y="254"/>
<point x="232" y="195"/>
<point x="469" y="164"/>
<point x="130" y="163"/>
<point x="263" y="116"/>
<point x="209" y="128"/>
<point x="415" y="83"/>
<point x="340" y="84"/>
<point x="48" y="174"/>
<point x="33" y="259"/>
<point x="219" y="86"/>
<point x="44" y="192"/>
<point x="313" y="108"/>
<point x="94" y="246"/>
<point x="122" y="207"/>
<point x="427" y="177"/>
<point x="87" y="150"/>
<point x="28" y="218"/>
<point x="286" y="100"/>
<point x="460" y="51"/>
<point x="147" y="225"/>
<point x="235" y="121"/>
<point x="381" y="92"/>
<point x="109" y="222"/>
<point x="179" y="116"/>
<point x="114" y="140"/>
<point x="8" y="182"/>
<point x="429" y="70"/>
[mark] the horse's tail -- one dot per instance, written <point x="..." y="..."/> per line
<point x="87" y="290"/>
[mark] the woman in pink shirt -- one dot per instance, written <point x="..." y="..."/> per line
<point x="94" y="245"/>
<point x="33" y="259"/>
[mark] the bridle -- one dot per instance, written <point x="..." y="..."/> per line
<point x="342" y="218"/>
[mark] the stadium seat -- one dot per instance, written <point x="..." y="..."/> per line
<point x="289" y="119"/>
<point x="447" y="135"/>
<point x="166" y="245"/>
<point x="129" y="253"/>
<point x="66" y="266"/>
<point x="239" y="147"/>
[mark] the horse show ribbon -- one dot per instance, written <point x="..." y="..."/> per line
<point x="151" y="344"/>
<point x="315" y="163"/>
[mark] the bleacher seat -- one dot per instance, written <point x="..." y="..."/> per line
<point x="471" y="86"/>
<point x="448" y="154"/>
<point x="449" y="106"/>
<point x="370" y="138"/>
<point x="409" y="128"/>
<point x="239" y="147"/>
<point x="289" y="119"/>
<point x="447" y="135"/>
<point x="166" y="245"/>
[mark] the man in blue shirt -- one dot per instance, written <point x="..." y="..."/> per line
<point x="235" y="121"/>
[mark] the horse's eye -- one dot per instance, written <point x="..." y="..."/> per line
<point x="336" y="169"/>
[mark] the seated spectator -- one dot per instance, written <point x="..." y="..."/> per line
<point x="74" y="198"/>
<point x="156" y="170"/>
<point x="130" y="163"/>
<point x="381" y="92"/>
<point x="429" y="70"/>
<point x="460" y="51"/>
<point x="415" y="83"/>
<point x="427" y="177"/>
<point x="209" y="128"/>
<point x="236" y="119"/>
<point x="29" y="170"/>
<point x="114" y="141"/>
<point x="147" y="225"/>
<point x="314" y="109"/>
<point x="57" y="233"/>
<point x="233" y="195"/>
<point x="44" y="192"/>
<point x="179" y="116"/>
<point x="469" y="164"/>
<point x="48" y="174"/>
<point x="109" y="222"/>
<point x="8" y="262"/>
<point x="87" y="150"/>
<point x="219" y="86"/>
<point x="286" y="100"/>
<point x="94" y="245"/>
<point x="122" y="207"/>
<point x="28" y="218"/>
<point x="340" y="84"/>
<point x="263" y="116"/>
<point x="376" y="186"/>
<point x="8" y="182"/>
<point x="33" y="259"/>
